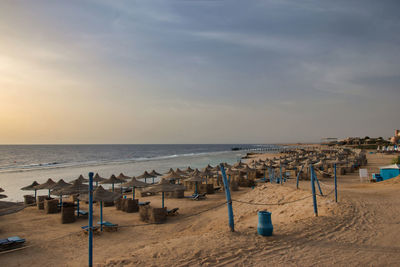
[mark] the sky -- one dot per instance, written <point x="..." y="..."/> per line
<point x="198" y="71"/>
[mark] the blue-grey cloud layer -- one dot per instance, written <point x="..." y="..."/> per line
<point x="308" y="69"/>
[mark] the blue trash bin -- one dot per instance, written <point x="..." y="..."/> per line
<point x="264" y="226"/>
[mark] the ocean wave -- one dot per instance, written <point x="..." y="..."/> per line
<point x="55" y="165"/>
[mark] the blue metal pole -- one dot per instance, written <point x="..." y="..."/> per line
<point x="90" y="219"/>
<point x="49" y="193"/>
<point x="316" y="179"/>
<point x="298" y="176"/>
<point x="35" y="194"/>
<point x="162" y="199"/>
<point x="101" y="216"/>
<point x="228" y="199"/>
<point x="280" y="174"/>
<point x="335" y="183"/>
<point x="60" y="200"/>
<point x="313" y="191"/>
<point x="133" y="192"/>
<point x="195" y="188"/>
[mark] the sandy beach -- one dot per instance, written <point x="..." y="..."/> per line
<point x="361" y="229"/>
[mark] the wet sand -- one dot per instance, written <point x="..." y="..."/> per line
<point x="362" y="229"/>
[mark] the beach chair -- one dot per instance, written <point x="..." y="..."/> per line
<point x="197" y="196"/>
<point x="144" y="203"/>
<point x="217" y="188"/>
<point x="11" y="243"/>
<point x="109" y="227"/>
<point x="83" y="213"/>
<point x="172" y="212"/>
<point x="86" y="229"/>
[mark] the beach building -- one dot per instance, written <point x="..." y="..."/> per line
<point x="396" y="138"/>
<point x="390" y="171"/>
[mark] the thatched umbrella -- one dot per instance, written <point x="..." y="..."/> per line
<point x="97" y="178"/>
<point x="112" y="180"/>
<point x="170" y="171"/>
<point x="196" y="179"/>
<point x="47" y="185"/>
<point x="206" y="173"/>
<point x="135" y="183"/>
<point x="75" y="188"/>
<point x="173" y="176"/>
<point x="179" y="171"/>
<point x="188" y="170"/>
<point x="123" y="177"/>
<point x="154" y="174"/>
<point x="144" y="176"/>
<point x="1" y="190"/>
<point x="102" y="195"/>
<point x="164" y="186"/>
<point x="2" y="196"/>
<point x="59" y="185"/>
<point x="238" y="165"/>
<point x="81" y="179"/>
<point x="30" y="187"/>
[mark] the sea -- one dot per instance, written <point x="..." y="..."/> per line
<point x="20" y="165"/>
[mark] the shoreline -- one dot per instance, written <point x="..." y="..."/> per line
<point x="199" y="235"/>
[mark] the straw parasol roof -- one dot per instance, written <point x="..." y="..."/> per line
<point x="97" y="178"/>
<point x="263" y="166"/>
<point x="194" y="178"/>
<point x="196" y="172"/>
<point x="179" y="171"/>
<point x="170" y="171"/>
<point x="145" y="175"/>
<point x="135" y="183"/>
<point x="238" y="165"/>
<point x="60" y="184"/>
<point x="75" y="188"/>
<point x="111" y="180"/>
<point x="81" y="179"/>
<point x="226" y="165"/>
<point x="100" y="194"/>
<point x="188" y="170"/>
<point x="47" y="185"/>
<point x="123" y="177"/>
<point x="232" y="171"/>
<point x="173" y="176"/>
<point x="2" y="196"/>
<point x="246" y="169"/>
<point x="1" y="190"/>
<point x="29" y="187"/>
<point x="164" y="186"/>
<point x="154" y="173"/>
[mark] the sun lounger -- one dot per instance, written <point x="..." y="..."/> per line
<point x="86" y="229"/>
<point x="172" y="212"/>
<point x="83" y="213"/>
<point x="11" y="243"/>
<point x="144" y="203"/>
<point x="110" y="227"/>
<point x="197" y="196"/>
<point x="217" y="188"/>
